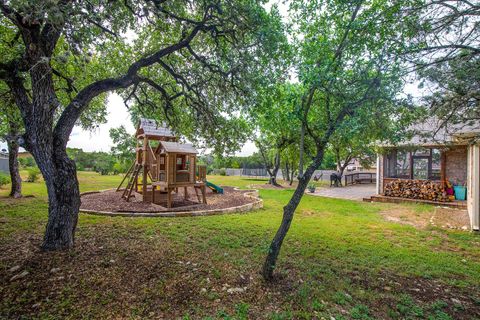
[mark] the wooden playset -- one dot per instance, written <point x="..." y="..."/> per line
<point x="164" y="165"/>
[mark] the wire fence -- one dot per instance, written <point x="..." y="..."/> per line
<point x="319" y="175"/>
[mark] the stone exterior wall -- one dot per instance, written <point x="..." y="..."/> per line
<point x="456" y="165"/>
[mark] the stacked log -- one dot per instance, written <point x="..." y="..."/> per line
<point x="416" y="189"/>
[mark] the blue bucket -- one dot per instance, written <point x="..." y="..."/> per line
<point x="460" y="192"/>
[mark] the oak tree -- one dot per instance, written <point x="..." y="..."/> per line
<point x="198" y="56"/>
<point x="349" y="69"/>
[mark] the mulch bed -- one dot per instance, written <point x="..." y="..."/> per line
<point x="111" y="201"/>
<point x="281" y="185"/>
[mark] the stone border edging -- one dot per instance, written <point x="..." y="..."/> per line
<point x="257" y="204"/>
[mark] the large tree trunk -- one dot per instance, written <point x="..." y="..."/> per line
<point x="63" y="199"/>
<point x="288" y="212"/>
<point x="16" y="189"/>
<point x="49" y="151"/>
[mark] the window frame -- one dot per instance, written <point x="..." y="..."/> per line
<point x="411" y="160"/>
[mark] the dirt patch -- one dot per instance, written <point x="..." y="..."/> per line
<point x="451" y="218"/>
<point x="281" y="186"/>
<point x="112" y="201"/>
<point x="439" y="216"/>
<point x="406" y="215"/>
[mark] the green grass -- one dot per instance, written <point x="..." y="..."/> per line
<point x="89" y="181"/>
<point x="331" y="242"/>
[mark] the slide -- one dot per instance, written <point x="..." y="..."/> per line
<point x="214" y="187"/>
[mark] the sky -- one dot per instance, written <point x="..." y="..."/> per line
<point x="99" y="139"/>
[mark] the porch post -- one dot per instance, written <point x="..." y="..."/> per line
<point x="473" y="185"/>
<point x="378" y="174"/>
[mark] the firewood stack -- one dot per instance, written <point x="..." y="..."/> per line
<point x="416" y="189"/>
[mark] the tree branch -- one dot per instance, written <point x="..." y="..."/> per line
<point x="75" y="108"/>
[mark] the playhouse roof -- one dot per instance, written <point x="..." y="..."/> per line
<point x="150" y="128"/>
<point x="176" y="147"/>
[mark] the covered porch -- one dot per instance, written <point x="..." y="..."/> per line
<point x="439" y="174"/>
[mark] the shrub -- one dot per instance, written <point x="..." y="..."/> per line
<point x="311" y="187"/>
<point x="222" y="172"/>
<point x="4" y="179"/>
<point x="33" y="174"/>
<point x="120" y="167"/>
<point x="26" y="162"/>
<point x="80" y="166"/>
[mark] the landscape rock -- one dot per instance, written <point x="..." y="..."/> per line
<point x="236" y="290"/>
<point x="20" y="275"/>
<point x="456" y="301"/>
<point x="14" y="268"/>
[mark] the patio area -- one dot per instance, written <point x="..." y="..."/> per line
<point x="353" y="192"/>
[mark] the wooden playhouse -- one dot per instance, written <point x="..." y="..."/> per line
<point x="162" y="166"/>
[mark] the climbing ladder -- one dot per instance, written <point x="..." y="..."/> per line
<point x="131" y="181"/>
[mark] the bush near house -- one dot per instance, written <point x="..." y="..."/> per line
<point x="26" y="162"/>
<point x="4" y="179"/>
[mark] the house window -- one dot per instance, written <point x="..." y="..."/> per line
<point x="420" y="168"/>
<point x="402" y="164"/>
<point x="397" y="164"/>
<point x="422" y="164"/>
<point x="436" y="168"/>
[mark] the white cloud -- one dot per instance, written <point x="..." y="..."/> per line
<point x="247" y="150"/>
<point x="99" y="139"/>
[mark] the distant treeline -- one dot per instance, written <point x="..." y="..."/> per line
<point x="109" y="163"/>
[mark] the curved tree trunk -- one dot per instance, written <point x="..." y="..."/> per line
<point x="16" y="186"/>
<point x="292" y="175"/>
<point x="273" y="173"/>
<point x="288" y="212"/>
<point x="286" y="172"/>
<point x="48" y="148"/>
<point x="63" y="199"/>
<point x="340" y="173"/>
<point x="302" y="151"/>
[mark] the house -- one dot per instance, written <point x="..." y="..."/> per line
<point x="356" y="165"/>
<point x="423" y="167"/>
<point x="4" y="161"/>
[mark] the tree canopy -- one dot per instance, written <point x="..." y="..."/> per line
<point x="192" y="63"/>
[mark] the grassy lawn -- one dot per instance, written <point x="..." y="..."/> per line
<point x="341" y="259"/>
